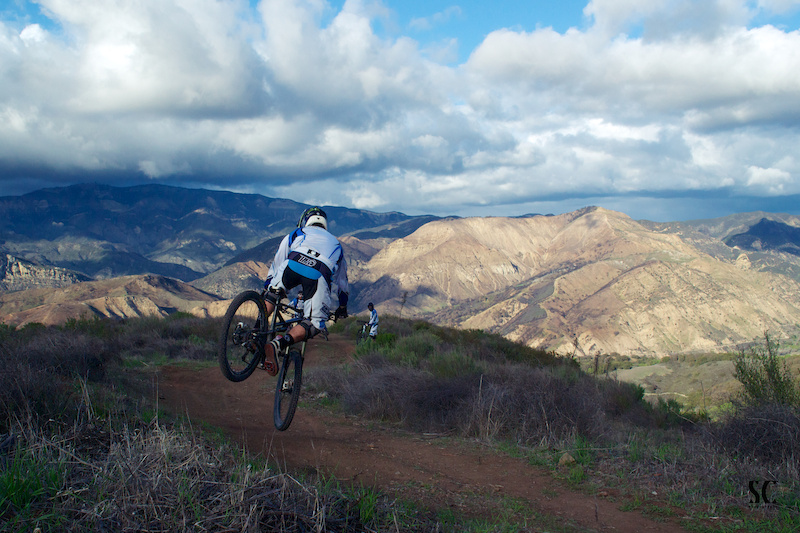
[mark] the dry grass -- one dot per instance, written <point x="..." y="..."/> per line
<point x="157" y="478"/>
<point x="78" y="454"/>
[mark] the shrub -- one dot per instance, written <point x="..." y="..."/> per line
<point x="451" y="364"/>
<point x="40" y="364"/>
<point x="770" y="432"/>
<point x="619" y="396"/>
<point x="764" y="378"/>
<point x="95" y="325"/>
<point x="522" y="403"/>
<point x="383" y="391"/>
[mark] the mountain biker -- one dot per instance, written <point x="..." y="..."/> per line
<point x="373" y="321"/>
<point x="313" y="259"/>
<point x="298" y="303"/>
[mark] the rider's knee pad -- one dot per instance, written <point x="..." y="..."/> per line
<point x="273" y="297"/>
<point x="307" y="325"/>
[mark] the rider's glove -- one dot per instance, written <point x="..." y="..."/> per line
<point x="341" y="312"/>
<point x="267" y="283"/>
<point x="343" y="297"/>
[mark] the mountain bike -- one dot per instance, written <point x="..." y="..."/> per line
<point x="363" y="333"/>
<point x="246" y="329"/>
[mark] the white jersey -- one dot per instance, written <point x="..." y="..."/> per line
<point x="373" y="322"/>
<point x="316" y="243"/>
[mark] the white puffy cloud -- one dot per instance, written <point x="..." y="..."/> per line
<point x="664" y="97"/>
<point x="33" y="34"/>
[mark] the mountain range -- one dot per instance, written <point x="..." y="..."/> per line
<point x="105" y="232"/>
<point x="584" y="282"/>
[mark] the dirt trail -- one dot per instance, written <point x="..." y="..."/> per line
<point x="425" y="468"/>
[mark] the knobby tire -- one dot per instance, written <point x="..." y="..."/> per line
<point x="287" y="391"/>
<point x="238" y="352"/>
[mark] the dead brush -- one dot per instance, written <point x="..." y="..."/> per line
<point x="160" y="478"/>
<point x="765" y="438"/>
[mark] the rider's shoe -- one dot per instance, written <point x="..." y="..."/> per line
<point x="270" y="363"/>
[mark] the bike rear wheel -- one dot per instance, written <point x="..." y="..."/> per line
<point x="239" y="350"/>
<point x="287" y="391"/>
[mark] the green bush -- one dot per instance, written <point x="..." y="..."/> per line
<point x="451" y="364"/>
<point x="766" y="379"/>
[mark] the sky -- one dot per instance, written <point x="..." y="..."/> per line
<point x="661" y="109"/>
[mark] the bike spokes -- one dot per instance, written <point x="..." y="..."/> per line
<point x="240" y="346"/>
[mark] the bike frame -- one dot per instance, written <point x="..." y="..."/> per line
<point x="363" y="332"/>
<point x="280" y="325"/>
<point x="240" y="341"/>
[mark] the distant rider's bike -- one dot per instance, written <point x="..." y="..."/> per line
<point x="363" y="333"/>
<point x="246" y="331"/>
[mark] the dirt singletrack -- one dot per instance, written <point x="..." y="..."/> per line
<point x="437" y="472"/>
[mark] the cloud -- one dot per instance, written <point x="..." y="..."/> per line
<point x="437" y="19"/>
<point x="773" y="180"/>
<point x="295" y="99"/>
<point x="659" y="19"/>
<point x="32" y="34"/>
<point x="779" y="6"/>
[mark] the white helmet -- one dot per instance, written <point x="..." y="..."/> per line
<point x="313" y="216"/>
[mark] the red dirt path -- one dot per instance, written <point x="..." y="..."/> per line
<point x="419" y="467"/>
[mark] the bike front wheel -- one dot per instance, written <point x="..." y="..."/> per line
<point x="239" y="350"/>
<point x="287" y="391"/>
<point x="362" y="335"/>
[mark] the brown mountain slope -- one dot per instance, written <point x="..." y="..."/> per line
<point x="593" y="275"/>
<point x="118" y="297"/>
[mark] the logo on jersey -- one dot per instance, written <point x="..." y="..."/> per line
<point x="304" y="260"/>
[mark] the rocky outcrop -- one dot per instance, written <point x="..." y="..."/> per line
<point x="17" y="275"/>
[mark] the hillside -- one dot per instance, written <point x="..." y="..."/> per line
<point x="593" y="275"/>
<point x="768" y="235"/>
<point x="457" y="433"/>
<point x="769" y="240"/>
<point x="123" y="297"/>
